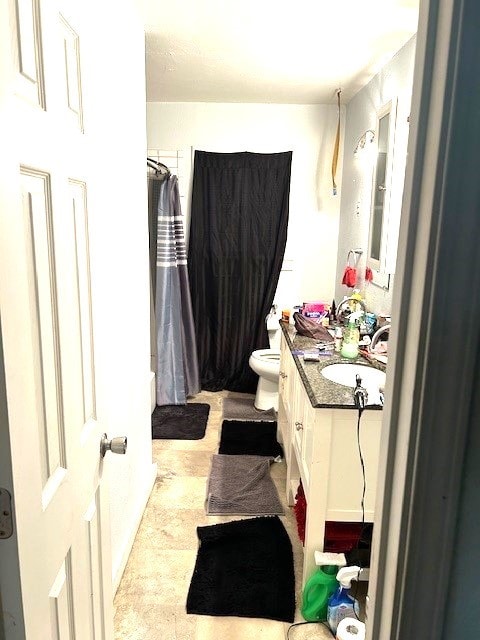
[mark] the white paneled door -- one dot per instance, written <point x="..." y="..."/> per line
<point x="56" y="567"/>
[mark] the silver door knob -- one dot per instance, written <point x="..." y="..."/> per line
<point x="298" y="426"/>
<point x="115" y="445"/>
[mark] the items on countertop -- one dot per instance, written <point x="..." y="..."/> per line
<point x="322" y="392"/>
<point x="351" y="337"/>
<point x="310" y="328"/>
<point x="314" y="309"/>
<point x="338" y="339"/>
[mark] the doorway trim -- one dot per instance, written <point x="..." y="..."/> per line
<point x="436" y="302"/>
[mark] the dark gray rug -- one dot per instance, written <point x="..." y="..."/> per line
<point x="241" y="485"/>
<point x="244" y="568"/>
<point x="180" y="421"/>
<point x="244" y="409"/>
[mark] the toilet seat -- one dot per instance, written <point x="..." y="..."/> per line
<point x="266" y="362"/>
<point x="267" y="355"/>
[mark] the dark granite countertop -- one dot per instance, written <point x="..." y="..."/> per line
<point x="322" y="392"/>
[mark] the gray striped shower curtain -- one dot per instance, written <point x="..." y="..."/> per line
<point x="175" y="351"/>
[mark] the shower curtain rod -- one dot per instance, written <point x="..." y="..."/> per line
<point x="158" y="166"/>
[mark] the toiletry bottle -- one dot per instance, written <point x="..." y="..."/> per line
<point x="341" y="605"/>
<point x="318" y="588"/>
<point x="338" y="339"/>
<point x="332" y="314"/>
<point x="351" y="337"/>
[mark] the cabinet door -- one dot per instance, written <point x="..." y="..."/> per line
<point x="308" y="431"/>
<point x="297" y="414"/>
<point x="284" y="355"/>
<point x="287" y="370"/>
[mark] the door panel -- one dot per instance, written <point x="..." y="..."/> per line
<point x="43" y="305"/>
<point x="25" y="26"/>
<point x="73" y="85"/>
<point x="54" y="431"/>
<point x="61" y="603"/>
<point x="78" y="191"/>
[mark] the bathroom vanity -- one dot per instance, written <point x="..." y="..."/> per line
<point x="317" y="422"/>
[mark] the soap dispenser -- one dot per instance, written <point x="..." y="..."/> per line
<point x="351" y="337"/>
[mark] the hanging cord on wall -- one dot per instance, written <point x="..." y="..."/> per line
<point x="336" y="147"/>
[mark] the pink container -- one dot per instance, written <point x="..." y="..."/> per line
<point x="313" y="309"/>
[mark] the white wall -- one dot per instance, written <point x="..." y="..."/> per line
<point x="308" y="131"/>
<point x="393" y="81"/>
<point x="116" y="125"/>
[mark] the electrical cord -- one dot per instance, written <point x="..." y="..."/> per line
<point x="362" y="463"/>
<point x="299" y="624"/>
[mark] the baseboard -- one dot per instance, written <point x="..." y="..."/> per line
<point x="118" y="571"/>
<point x="153" y="391"/>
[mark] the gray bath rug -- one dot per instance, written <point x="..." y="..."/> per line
<point x="241" y="485"/>
<point x="244" y="409"/>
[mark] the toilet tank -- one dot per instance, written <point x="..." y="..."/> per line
<point x="274" y="339"/>
<point x="273" y="329"/>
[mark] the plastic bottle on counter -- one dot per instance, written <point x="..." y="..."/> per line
<point x="332" y="314"/>
<point x="351" y="337"/>
<point x="338" y="339"/>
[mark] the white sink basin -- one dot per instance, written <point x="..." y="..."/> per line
<point x="346" y="374"/>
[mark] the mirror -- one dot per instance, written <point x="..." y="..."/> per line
<point x="381" y="195"/>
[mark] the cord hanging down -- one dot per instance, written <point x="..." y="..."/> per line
<point x="336" y="148"/>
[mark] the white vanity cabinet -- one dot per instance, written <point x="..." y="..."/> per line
<point x="321" y="449"/>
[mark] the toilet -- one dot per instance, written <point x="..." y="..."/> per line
<point x="266" y="363"/>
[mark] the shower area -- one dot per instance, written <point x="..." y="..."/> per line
<point x="238" y="229"/>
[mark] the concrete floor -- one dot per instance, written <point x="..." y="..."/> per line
<point x="150" y="602"/>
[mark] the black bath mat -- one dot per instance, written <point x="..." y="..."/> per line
<point x="245" y="438"/>
<point x="244" y="568"/>
<point x="180" y="421"/>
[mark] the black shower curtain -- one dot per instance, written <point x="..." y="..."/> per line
<point x="237" y="241"/>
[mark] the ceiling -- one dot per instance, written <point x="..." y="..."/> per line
<point x="270" y="51"/>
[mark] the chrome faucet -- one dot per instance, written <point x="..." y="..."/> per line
<point x="341" y="312"/>
<point x="377" y="335"/>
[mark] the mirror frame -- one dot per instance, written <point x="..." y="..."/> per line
<point x="380" y="276"/>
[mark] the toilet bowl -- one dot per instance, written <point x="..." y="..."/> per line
<point x="266" y="363"/>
